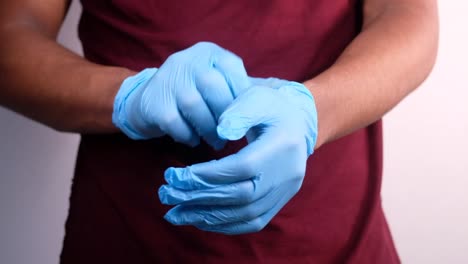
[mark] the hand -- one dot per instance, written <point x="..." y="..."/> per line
<point x="183" y="98"/>
<point x="241" y="193"/>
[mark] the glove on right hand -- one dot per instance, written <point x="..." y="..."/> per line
<point x="183" y="98"/>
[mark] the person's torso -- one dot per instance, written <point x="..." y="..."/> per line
<point x="335" y="218"/>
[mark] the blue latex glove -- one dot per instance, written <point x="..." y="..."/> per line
<point x="183" y="98"/>
<point x="242" y="192"/>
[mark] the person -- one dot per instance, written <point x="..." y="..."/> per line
<point x="216" y="161"/>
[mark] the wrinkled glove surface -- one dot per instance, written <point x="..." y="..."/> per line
<point x="183" y="98"/>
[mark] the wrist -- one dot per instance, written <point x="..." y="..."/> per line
<point x="324" y="113"/>
<point x="302" y="98"/>
<point x="91" y="109"/>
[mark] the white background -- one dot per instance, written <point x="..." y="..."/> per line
<point x="425" y="176"/>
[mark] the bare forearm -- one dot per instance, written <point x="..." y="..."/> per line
<point x="44" y="81"/>
<point x="390" y="58"/>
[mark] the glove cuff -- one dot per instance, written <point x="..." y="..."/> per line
<point x="129" y="86"/>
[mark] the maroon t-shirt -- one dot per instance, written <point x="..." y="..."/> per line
<point x="115" y="215"/>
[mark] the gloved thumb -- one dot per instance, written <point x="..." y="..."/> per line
<point x="248" y="110"/>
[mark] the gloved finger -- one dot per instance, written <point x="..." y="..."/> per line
<point x="226" y="194"/>
<point x="252" y="108"/>
<point x="215" y="91"/>
<point x="232" y="68"/>
<point x="238" y="167"/>
<point x="174" y="125"/>
<point x="196" y="112"/>
<point x="250" y="226"/>
<point x="219" y="214"/>
<point x="208" y="174"/>
<point x="227" y="63"/>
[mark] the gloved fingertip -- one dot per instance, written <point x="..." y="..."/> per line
<point x="162" y="194"/>
<point x="177" y="178"/>
<point x="174" y="216"/>
<point x="169" y="174"/>
<point x="170" y="218"/>
<point x="231" y="129"/>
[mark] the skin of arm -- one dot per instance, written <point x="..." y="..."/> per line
<point x="392" y="55"/>
<point x="46" y="82"/>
